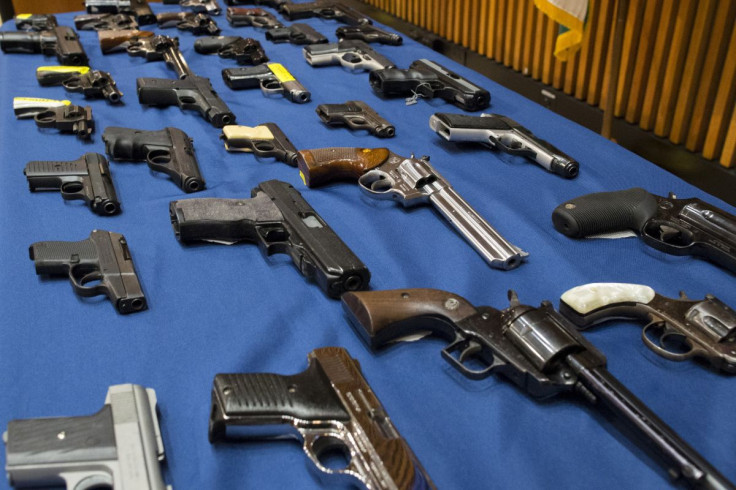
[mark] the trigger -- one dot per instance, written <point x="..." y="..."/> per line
<point x="469" y="351"/>
<point x="668" y="233"/>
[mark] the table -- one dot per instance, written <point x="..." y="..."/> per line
<point x="225" y="309"/>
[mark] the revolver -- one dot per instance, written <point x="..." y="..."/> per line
<point x="502" y="133"/>
<point x="353" y="55"/>
<point x="197" y="24"/>
<point x="209" y="7"/>
<point x="86" y="178"/>
<point x="103" y="257"/>
<point x="35" y="22"/>
<point x="105" y="22"/>
<point x="169" y="150"/>
<point x="57" y="114"/>
<point x="356" y="115"/>
<point x="91" y="83"/>
<point x="279" y="220"/>
<point x="382" y="174"/>
<point x="272" y="78"/>
<point x="189" y="92"/>
<point x="676" y="329"/>
<point x="118" y="447"/>
<point x="671" y="225"/>
<point x="296" y="33"/>
<point x="332" y="408"/>
<point x="242" y="17"/>
<point x="368" y="33"/>
<point x="428" y="79"/>
<point x="265" y="140"/>
<point x="275" y="4"/>
<point x="139" y="8"/>
<point x="242" y="50"/>
<point x="537" y="349"/>
<point x="326" y="9"/>
<point x="61" y="41"/>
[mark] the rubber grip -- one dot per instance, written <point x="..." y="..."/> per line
<point x="463" y="121"/>
<point x="325" y="165"/>
<point x="605" y="212"/>
<point x="212" y="44"/>
<point x="57" y="257"/>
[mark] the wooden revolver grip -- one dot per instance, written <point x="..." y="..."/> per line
<point x="383" y="316"/>
<point x="329" y="164"/>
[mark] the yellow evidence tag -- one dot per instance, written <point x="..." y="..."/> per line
<point x="63" y="69"/>
<point x="281" y="73"/>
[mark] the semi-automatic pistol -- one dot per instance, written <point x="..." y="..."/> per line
<point x="272" y="78"/>
<point x="265" y="140"/>
<point x="332" y="408"/>
<point x="356" y="115"/>
<point x="351" y="54"/>
<point x="120" y="447"/>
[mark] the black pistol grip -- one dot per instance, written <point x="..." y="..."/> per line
<point x="260" y="399"/>
<point x="58" y="258"/>
<point x="464" y="121"/>
<point x="223" y="220"/>
<point x="87" y="178"/>
<point x="605" y="212"/>
<point x="213" y="44"/>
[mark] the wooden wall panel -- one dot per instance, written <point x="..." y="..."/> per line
<point x="677" y="73"/>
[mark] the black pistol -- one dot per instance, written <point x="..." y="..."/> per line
<point x="196" y="23"/>
<point x="91" y="83"/>
<point x="279" y="220"/>
<point x="535" y="348"/>
<point x="356" y="115"/>
<point x="169" y="150"/>
<point x="503" y="133"/>
<point x="272" y="78"/>
<point x="677" y="329"/>
<point x="243" y="17"/>
<point x="105" y="22"/>
<point x="61" y="41"/>
<point x="245" y="51"/>
<point x="325" y="9"/>
<point x="35" y="22"/>
<point x="671" y="225"/>
<point x="265" y="140"/>
<point x="296" y="33"/>
<point x="103" y="257"/>
<point x="368" y="33"/>
<point x="425" y="78"/>
<point x="87" y="178"/>
<point x="139" y="8"/>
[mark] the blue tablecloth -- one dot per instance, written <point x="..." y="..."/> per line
<point x="225" y="309"/>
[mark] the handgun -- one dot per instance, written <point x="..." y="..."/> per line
<point x="676" y="329"/>
<point x="382" y="174"/>
<point x="296" y="33"/>
<point x="368" y="33"/>
<point x="279" y="220"/>
<point x="538" y="350"/>
<point x="326" y="9"/>
<point x="425" y="78"/>
<point x="111" y="41"/>
<point x="502" y="133"/>
<point x="56" y="114"/>
<point x="169" y="150"/>
<point x="245" y="51"/>
<point x="275" y="4"/>
<point x="197" y="24"/>
<point x="242" y="17"/>
<point x="139" y="8"/>
<point x="61" y="41"/>
<point x="332" y="408"/>
<point x="86" y="178"/>
<point x="272" y="78"/>
<point x="35" y="22"/>
<point x="265" y="140"/>
<point x="351" y="54"/>
<point x="209" y="7"/>
<point x="670" y="225"/>
<point x="118" y="447"/>
<point x="189" y="92"/>
<point x="91" y="83"/>
<point x="103" y="257"/>
<point x="105" y="22"/>
<point x="356" y="115"/>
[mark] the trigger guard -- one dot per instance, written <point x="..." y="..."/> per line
<point x="271" y="86"/>
<point x="660" y="350"/>
<point x="87" y="291"/>
<point x="90" y="482"/>
<point x="71" y="83"/>
<point x="368" y="179"/>
<point x="685" y="239"/>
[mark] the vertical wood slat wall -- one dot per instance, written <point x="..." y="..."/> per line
<point x="678" y="66"/>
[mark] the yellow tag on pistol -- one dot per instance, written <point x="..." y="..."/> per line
<point x="281" y="73"/>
